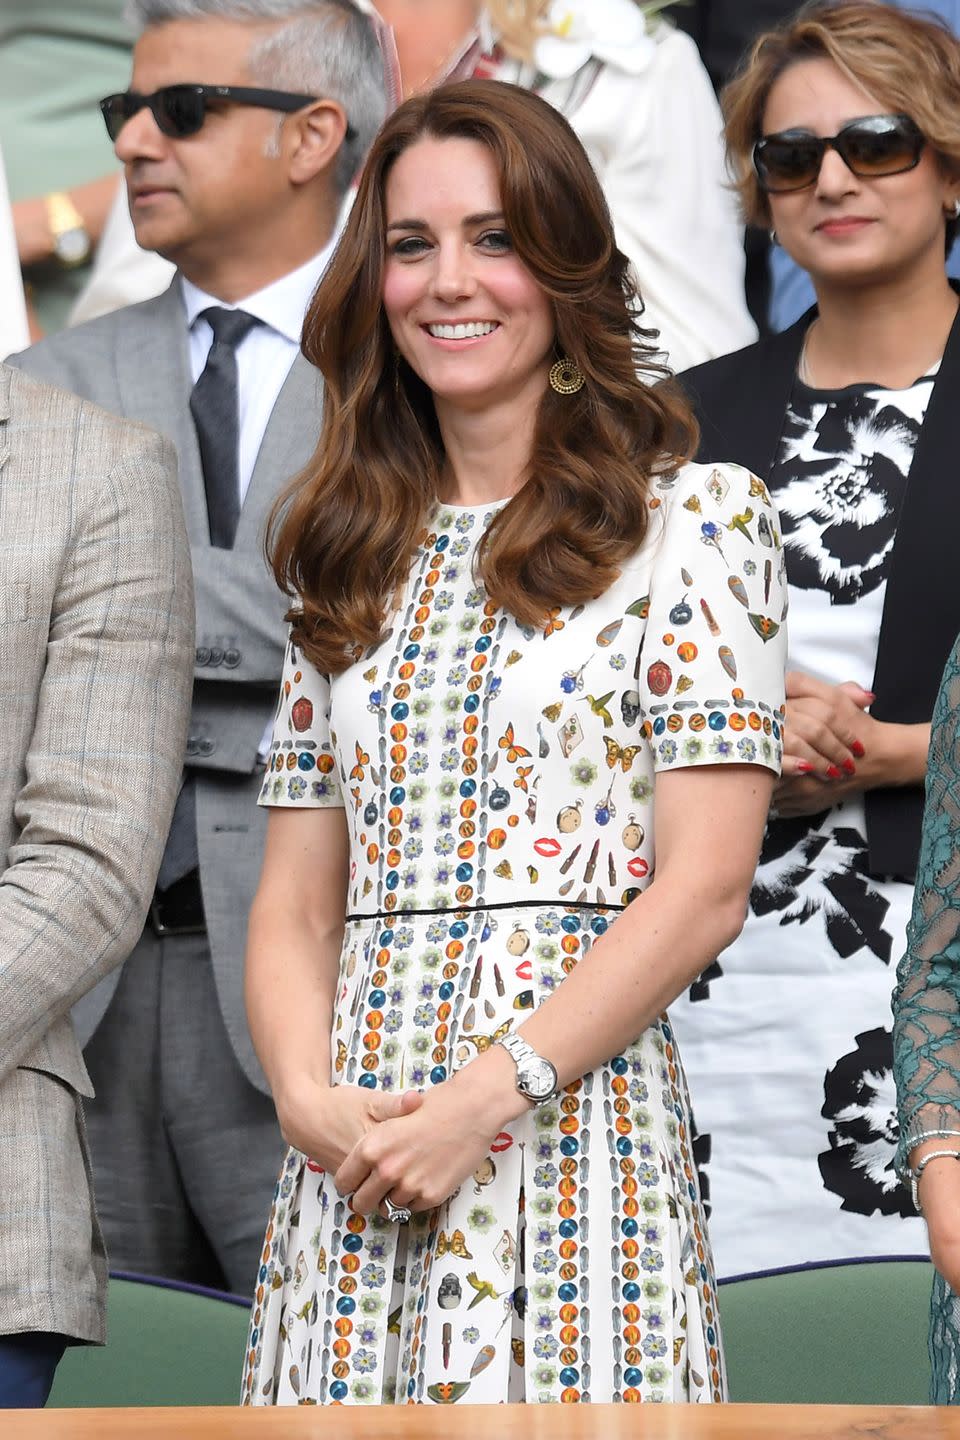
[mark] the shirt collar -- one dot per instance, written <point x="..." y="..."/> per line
<point x="280" y="305"/>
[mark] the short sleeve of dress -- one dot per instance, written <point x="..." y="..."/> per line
<point x="711" y="670"/>
<point x="301" y="767"/>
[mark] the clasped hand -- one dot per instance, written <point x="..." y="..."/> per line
<point x="421" y="1156"/>
<point x="831" y="745"/>
<point x="416" y="1148"/>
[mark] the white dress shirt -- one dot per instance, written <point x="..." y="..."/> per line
<point x="265" y="353"/>
<point x="264" y="357"/>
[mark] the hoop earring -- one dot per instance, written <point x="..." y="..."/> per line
<point x="566" y="377"/>
<point x="774" y="238"/>
<point x="953" y="211"/>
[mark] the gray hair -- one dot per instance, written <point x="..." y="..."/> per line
<point x="326" y="48"/>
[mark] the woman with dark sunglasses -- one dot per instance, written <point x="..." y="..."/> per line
<point x="843" y="132"/>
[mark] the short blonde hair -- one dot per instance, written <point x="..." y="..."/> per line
<point x="909" y="62"/>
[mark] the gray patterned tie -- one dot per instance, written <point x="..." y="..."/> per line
<point x="214" y="406"/>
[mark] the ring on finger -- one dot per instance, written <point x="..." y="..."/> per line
<point x="397" y="1214"/>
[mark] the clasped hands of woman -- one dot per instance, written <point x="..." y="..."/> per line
<point x="415" y="1147"/>
<point x="833" y="747"/>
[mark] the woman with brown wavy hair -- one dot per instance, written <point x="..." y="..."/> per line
<point x="635" y="90"/>
<point x="535" y="660"/>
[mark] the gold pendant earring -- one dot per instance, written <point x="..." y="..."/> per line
<point x="566" y="377"/>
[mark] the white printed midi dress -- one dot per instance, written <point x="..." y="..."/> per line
<point x="498" y="785"/>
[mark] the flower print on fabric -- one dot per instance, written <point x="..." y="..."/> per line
<point x="496" y="833"/>
<point x="845" y="460"/>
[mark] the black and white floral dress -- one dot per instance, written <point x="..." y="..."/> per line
<point x="787" y="1040"/>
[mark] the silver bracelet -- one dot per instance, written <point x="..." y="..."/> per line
<point x="919" y="1137"/>
<point x="940" y="1134"/>
<point x="917" y="1170"/>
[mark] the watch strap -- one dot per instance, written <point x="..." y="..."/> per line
<point x="62" y="214"/>
<point x="71" y="240"/>
<point x="517" y="1047"/>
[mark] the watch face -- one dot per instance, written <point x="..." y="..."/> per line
<point x="538" y="1079"/>
<point x="73" y="246"/>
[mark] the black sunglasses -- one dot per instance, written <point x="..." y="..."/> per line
<point x="180" y="110"/>
<point x="871" y="147"/>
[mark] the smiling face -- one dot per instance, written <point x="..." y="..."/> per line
<point x="192" y="198"/>
<point x="464" y="312"/>
<point x="843" y="229"/>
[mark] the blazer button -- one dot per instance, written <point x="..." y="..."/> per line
<point x="206" y="746"/>
<point x="192" y="745"/>
<point x="231" y="658"/>
<point x="216" y="656"/>
<point x="203" y="655"/>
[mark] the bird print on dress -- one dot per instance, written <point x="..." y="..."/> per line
<point x="504" y="819"/>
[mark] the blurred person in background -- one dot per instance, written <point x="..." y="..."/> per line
<point x="637" y="95"/>
<point x="95" y="664"/>
<point x="57" y="57"/>
<point x="844" y="136"/>
<point x="724" y="30"/>
<point x="243" y="127"/>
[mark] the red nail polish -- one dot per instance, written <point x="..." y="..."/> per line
<point x="858" y="750"/>
<point x="804" y="767"/>
<point x="849" y="766"/>
<point x="833" y="773"/>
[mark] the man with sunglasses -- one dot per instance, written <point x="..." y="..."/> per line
<point x="241" y="132"/>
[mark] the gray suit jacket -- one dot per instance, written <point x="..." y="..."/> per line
<point x="96" y="639"/>
<point x="135" y="362"/>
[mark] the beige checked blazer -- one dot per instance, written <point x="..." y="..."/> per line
<point x="96" y="665"/>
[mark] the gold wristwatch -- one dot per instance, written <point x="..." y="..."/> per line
<point x="71" y="243"/>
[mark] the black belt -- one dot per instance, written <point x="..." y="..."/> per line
<point x="397" y="915"/>
<point x="178" y="910"/>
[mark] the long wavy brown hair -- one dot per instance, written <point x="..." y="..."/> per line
<point x="342" y="538"/>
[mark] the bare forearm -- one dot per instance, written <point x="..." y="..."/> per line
<point x="631" y="974"/>
<point x="902" y="758"/>
<point x="290" y="986"/>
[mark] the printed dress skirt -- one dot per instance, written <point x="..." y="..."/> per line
<point x="572" y="1266"/>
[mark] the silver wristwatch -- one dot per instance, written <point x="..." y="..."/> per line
<point x="536" y="1077"/>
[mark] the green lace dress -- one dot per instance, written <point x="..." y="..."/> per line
<point x="926" y="1001"/>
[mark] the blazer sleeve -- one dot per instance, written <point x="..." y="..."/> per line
<point x="104" y="758"/>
